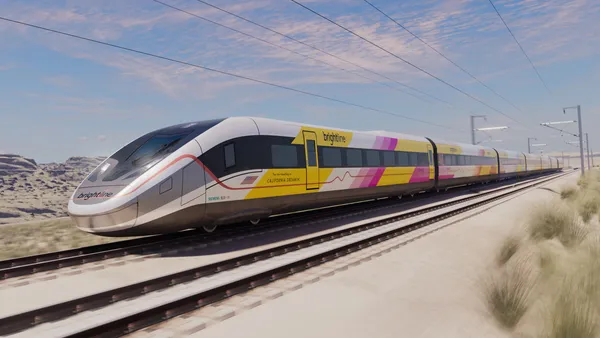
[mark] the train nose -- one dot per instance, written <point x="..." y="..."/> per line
<point x="100" y="210"/>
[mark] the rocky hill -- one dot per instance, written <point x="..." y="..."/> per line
<point x="32" y="191"/>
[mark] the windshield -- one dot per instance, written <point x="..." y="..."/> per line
<point x="140" y="155"/>
<point x="157" y="146"/>
<point x="146" y="156"/>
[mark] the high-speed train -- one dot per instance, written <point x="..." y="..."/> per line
<point x="239" y="169"/>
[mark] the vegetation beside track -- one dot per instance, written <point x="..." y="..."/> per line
<point x="19" y="240"/>
<point x="546" y="279"/>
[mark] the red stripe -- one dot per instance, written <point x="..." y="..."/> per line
<point x="210" y="173"/>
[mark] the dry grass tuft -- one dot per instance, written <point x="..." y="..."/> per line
<point x="573" y="317"/>
<point x="556" y="220"/>
<point x="18" y="240"/>
<point x="574" y="314"/>
<point x="509" y="247"/>
<point x="588" y="205"/>
<point x="549" y="253"/>
<point x="508" y="294"/>
<point x="568" y="193"/>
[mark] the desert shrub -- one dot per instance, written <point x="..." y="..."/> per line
<point x="509" y="247"/>
<point x="568" y="193"/>
<point x="556" y="220"/>
<point x="508" y="294"/>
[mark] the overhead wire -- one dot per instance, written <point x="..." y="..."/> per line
<point x="442" y="55"/>
<point x="323" y="51"/>
<point x="223" y="72"/>
<point x="284" y="48"/>
<point x="521" y="47"/>
<point x="407" y="62"/>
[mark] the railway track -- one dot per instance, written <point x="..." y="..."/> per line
<point x="24" y="266"/>
<point x="190" y="289"/>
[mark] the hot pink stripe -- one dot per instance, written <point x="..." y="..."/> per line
<point x="393" y="144"/>
<point x="378" y="142"/>
<point x="385" y="144"/>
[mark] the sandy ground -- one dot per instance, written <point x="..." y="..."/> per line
<point x="429" y="288"/>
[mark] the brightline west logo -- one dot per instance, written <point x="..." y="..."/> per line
<point x="103" y="194"/>
<point x="333" y="138"/>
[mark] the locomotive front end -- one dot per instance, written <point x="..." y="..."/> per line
<point x="141" y="181"/>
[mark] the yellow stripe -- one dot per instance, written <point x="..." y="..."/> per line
<point x="396" y="175"/>
<point x="281" y="182"/>
<point x="412" y="146"/>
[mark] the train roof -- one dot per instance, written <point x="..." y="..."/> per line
<point x="445" y="146"/>
<point x="503" y="153"/>
<point x="274" y="126"/>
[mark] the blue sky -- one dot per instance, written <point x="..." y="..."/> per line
<point x="62" y="97"/>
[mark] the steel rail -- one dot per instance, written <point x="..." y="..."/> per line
<point x="23" y="266"/>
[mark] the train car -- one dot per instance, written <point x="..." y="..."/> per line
<point x="244" y="169"/>
<point x="546" y="163"/>
<point x="460" y="164"/>
<point x="512" y="164"/>
<point x="534" y="163"/>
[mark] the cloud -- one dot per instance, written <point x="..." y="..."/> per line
<point x="83" y="138"/>
<point x="60" y="81"/>
<point x="467" y="31"/>
<point x="101" y="138"/>
<point x="6" y="67"/>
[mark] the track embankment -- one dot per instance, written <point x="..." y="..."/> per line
<point x="431" y="287"/>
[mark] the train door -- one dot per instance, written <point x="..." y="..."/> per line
<point x="312" y="160"/>
<point x="431" y="162"/>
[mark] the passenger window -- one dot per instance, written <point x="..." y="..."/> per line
<point x="402" y="159"/>
<point x="422" y="160"/>
<point x="332" y="157"/>
<point x="229" y="155"/>
<point x="354" y="158"/>
<point x="312" y="153"/>
<point x="284" y="156"/>
<point x="448" y="159"/>
<point x="413" y="160"/>
<point x="373" y="158"/>
<point x="388" y="158"/>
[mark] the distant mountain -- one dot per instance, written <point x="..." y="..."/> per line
<point x="32" y="191"/>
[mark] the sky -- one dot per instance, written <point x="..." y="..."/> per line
<point x="62" y="97"/>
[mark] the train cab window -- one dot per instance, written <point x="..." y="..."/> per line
<point x="354" y="158"/>
<point x="422" y="160"/>
<point x="332" y="157"/>
<point x="388" y="159"/>
<point x="373" y="159"/>
<point x="146" y="155"/>
<point x="312" y="153"/>
<point x="402" y="159"/>
<point x="284" y="156"/>
<point x="229" y="151"/>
